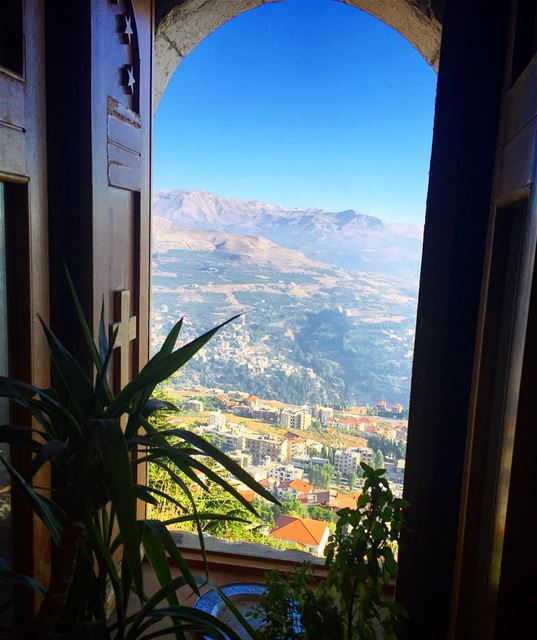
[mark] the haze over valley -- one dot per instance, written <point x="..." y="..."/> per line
<point x="329" y="299"/>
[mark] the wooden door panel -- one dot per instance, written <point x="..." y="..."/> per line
<point x="520" y="104"/>
<point x="23" y="173"/>
<point x="517" y="165"/>
<point x="121" y="155"/>
<point x="12" y="124"/>
<point x="498" y="390"/>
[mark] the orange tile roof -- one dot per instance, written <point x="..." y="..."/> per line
<point x="247" y="494"/>
<point x="300" y="486"/>
<point x="346" y="500"/>
<point x="301" y="530"/>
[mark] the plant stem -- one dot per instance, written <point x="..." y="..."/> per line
<point x="62" y="572"/>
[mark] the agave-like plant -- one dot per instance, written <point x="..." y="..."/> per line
<point x="91" y="512"/>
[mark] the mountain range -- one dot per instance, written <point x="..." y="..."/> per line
<point x="346" y="239"/>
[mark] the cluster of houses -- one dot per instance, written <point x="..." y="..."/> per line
<point x="281" y="462"/>
<point x="380" y="419"/>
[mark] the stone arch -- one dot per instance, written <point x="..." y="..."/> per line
<point x="183" y="24"/>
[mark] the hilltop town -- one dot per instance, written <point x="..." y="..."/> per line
<point x="307" y="456"/>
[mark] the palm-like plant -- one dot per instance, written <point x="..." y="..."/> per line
<point x="91" y="512"/>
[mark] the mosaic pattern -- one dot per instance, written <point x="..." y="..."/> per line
<point x="245" y="596"/>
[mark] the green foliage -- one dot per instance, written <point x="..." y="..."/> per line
<point x="389" y="448"/>
<point x="320" y="476"/>
<point x="328" y="453"/>
<point x="321" y="513"/>
<point x="378" y="460"/>
<point x="352" y="478"/>
<point x="229" y="517"/>
<point x="361" y="561"/>
<point x="331" y="343"/>
<point x="92" y="511"/>
<point x="292" y="507"/>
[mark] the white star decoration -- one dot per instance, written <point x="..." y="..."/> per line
<point x="127" y="28"/>
<point x="130" y="80"/>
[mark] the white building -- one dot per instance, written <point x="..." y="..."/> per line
<point x="216" y="419"/>
<point x="295" y="419"/>
<point x="324" y="414"/>
<point x="243" y="459"/>
<point x="285" y="473"/>
<point x="366" y="454"/>
<point x="346" y="462"/>
<point x="194" y="405"/>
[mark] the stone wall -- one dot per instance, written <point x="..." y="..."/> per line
<point x="183" y="24"/>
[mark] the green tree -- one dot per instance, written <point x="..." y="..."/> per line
<point x="291" y="507"/>
<point x="320" y="513"/>
<point x="378" y="461"/>
<point x="351" y="479"/>
<point x="327" y="471"/>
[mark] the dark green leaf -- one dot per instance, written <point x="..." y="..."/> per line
<point x="160" y="530"/>
<point x="49" y="452"/>
<point x="229" y="464"/>
<point x="157" y="370"/>
<point x="6" y="573"/>
<point x="156" y="555"/>
<point x="120" y="487"/>
<point x="71" y="374"/>
<point x="43" y="508"/>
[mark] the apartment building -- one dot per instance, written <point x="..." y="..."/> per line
<point x="265" y="447"/>
<point x="346" y="462"/>
<point x="285" y="473"/>
<point x="216" y="419"/>
<point x="299" y="419"/>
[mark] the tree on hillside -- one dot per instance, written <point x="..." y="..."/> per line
<point x="378" y="460"/>
<point x="289" y="507"/>
<point x="320" y="513"/>
<point x="352" y="479"/>
<point x="326" y="476"/>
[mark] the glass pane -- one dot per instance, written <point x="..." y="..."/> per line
<point x="11" y="35"/>
<point x="5" y="492"/>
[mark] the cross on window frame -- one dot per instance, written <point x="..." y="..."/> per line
<point x="126" y="332"/>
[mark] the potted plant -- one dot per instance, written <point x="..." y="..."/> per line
<point x="91" y="515"/>
<point x="350" y="604"/>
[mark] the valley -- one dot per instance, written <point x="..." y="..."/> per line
<point x="311" y="331"/>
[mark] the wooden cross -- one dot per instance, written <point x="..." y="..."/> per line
<point x="126" y="331"/>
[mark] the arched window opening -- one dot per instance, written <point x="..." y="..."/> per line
<point x="290" y="170"/>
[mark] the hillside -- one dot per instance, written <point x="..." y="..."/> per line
<point x="311" y="331"/>
<point x="251" y="249"/>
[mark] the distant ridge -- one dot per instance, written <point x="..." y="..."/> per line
<point x="252" y="249"/>
<point x="347" y="239"/>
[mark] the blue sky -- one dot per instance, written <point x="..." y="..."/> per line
<point x="304" y="103"/>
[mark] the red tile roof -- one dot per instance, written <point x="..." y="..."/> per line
<point x="300" y="486"/>
<point x="301" y="530"/>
